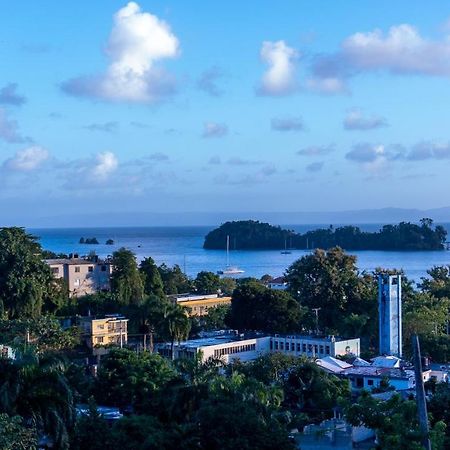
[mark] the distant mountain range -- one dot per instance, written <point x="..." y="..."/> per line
<point x="121" y="219"/>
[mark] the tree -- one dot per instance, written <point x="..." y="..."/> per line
<point x="394" y="420"/>
<point x="14" y="436"/>
<point x="126" y="378"/>
<point x="175" y="325"/>
<point x="153" y="284"/>
<point x="26" y="282"/>
<point x="174" y="280"/>
<point x="330" y="280"/>
<point x="126" y="281"/>
<point x="255" y="307"/>
<point x="43" y="334"/>
<point x="35" y="388"/>
<point x="207" y="283"/>
<point x="216" y="318"/>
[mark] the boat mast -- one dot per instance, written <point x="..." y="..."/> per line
<point x="228" y="250"/>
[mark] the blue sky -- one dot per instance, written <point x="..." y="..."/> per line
<point x="181" y="106"/>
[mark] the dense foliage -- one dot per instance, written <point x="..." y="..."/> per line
<point x="255" y="307"/>
<point x="250" y="234"/>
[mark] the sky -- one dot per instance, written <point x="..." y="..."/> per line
<point x="183" y="107"/>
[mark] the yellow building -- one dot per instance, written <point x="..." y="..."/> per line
<point x="100" y="333"/>
<point x="200" y="304"/>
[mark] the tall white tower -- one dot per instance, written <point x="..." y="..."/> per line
<point x="390" y="314"/>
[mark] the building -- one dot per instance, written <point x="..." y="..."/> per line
<point x="278" y="284"/>
<point x="227" y="347"/>
<point x="200" y="304"/>
<point x="7" y="352"/>
<point x="230" y="345"/>
<point x="98" y="333"/>
<point x="83" y="276"/>
<point x="315" y="346"/>
<point x="334" y="434"/>
<point x="390" y="314"/>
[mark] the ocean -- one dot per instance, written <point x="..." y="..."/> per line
<point x="184" y="246"/>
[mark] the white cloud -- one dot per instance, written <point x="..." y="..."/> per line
<point x="429" y="150"/>
<point x="214" y="130"/>
<point x="105" y="164"/>
<point x="280" y="77"/>
<point x="138" y="41"/>
<point x="355" y="120"/>
<point x="27" y="160"/>
<point x="400" y="50"/>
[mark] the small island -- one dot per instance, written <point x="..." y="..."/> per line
<point x="91" y="241"/>
<point x="109" y="242"/>
<point x="255" y="235"/>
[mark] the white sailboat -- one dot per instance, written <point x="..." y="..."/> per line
<point x="229" y="270"/>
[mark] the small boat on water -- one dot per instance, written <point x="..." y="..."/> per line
<point x="229" y="270"/>
<point x="285" y="251"/>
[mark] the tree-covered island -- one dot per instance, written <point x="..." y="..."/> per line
<point x="255" y="235"/>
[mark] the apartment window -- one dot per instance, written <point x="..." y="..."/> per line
<point x="77" y="269"/>
<point x="298" y="347"/>
<point x="101" y="327"/>
<point x="281" y="345"/>
<point x="55" y="270"/>
<point x="327" y="349"/>
<point x="76" y="283"/>
<point x="287" y="346"/>
<point x="276" y="345"/>
<point x="369" y="382"/>
<point x="90" y="268"/>
<point x="316" y="349"/>
<point x="100" y="340"/>
<point x="321" y="349"/>
<point x="304" y="348"/>
<point x="310" y="348"/>
<point x="271" y="345"/>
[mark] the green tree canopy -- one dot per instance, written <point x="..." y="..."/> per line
<point x="255" y="307"/>
<point x="174" y="280"/>
<point x="126" y="281"/>
<point x="153" y="284"/>
<point x="26" y="282"/>
<point x="126" y="378"/>
<point x="14" y="435"/>
<point x="207" y="282"/>
<point x="329" y="280"/>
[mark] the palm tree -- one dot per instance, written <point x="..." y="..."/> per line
<point x="176" y="325"/>
<point x="35" y="388"/>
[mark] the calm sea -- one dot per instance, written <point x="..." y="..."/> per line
<point x="183" y="246"/>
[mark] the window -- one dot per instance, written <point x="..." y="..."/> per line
<point x="271" y="344"/>
<point x="90" y="268"/>
<point x="77" y="269"/>
<point x="327" y="349"/>
<point x="100" y="340"/>
<point x="281" y="345"/>
<point x="310" y="348"/>
<point x="359" y="382"/>
<point x="369" y="382"/>
<point x="276" y="345"/>
<point x="55" y="270"/>
<point x="321" y="349"/>
<point x="298" y="347"/>
<point x="304" y="348"/>
<point x="76" y="283"/>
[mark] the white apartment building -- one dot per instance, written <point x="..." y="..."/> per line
<point x="231" y="346"/>
<point x="82" y="276"/>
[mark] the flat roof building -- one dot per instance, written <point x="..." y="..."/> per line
<point x="98" y="333"/>
<point x="83" y="276"/>
<point x="200" y="304"/>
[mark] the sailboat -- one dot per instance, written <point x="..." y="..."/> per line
<point x="229" y="270"/>
<point x="285" y="251"/>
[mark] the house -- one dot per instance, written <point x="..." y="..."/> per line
<point x="278" y="284"/>
<point x="200" y="304"/>
<point x="83" y="276"/>
<point x="7" y="352"/>
<point x="99" y="333"/>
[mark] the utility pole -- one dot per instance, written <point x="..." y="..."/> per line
<point x="420" y="394"/>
